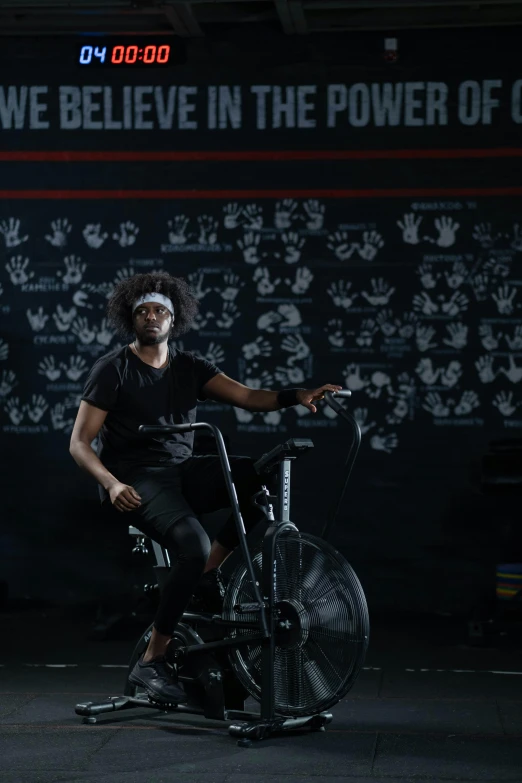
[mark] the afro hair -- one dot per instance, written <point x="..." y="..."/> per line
<point x="119" y="306"/>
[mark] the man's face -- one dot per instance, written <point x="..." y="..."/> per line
<point x="152" y="323"/>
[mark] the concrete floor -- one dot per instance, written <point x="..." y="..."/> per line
<point x="427" y="706"/>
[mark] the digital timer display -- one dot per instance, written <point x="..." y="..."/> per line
<point x="125" y="54"/>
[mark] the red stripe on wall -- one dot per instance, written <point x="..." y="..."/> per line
<point x="239" y="194"/>
<point x="115" y="156"/>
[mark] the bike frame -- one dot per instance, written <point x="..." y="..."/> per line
<point x="264" y="629"/>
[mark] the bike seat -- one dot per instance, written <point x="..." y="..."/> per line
<point x="290" y="449"/>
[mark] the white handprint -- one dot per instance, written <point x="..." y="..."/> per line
<point x="515" y="342"/>
<point x="483" y="234"/>
<point x="339" y="293"/>
<point x="372" y="243"/>
<point x="380" y="380"/>
<point x="480" y="285"/>
<point x="294" y="344"/>
<point x="4" y="350"/>
<point x="196" y="285"/>
<point x="504" y="402"/>
<point x="272" y="417"/>
<point x="263" y="381"/>
<point x="60" y="229"/>
<point x="293" y="246"/>
<point x="365" y="337"/>
<point x="382" y="442"/>
<point x="207" y="230"/>
<point x="315" y="212"/>
<point x="410" y="228"/>
<point x="214" y="354"/>
<point x="229" y="314"/>
<point x="303" y="280"/>
<point x="381" y="292"/>
<point x="14" y="410"/>
<point x="74" y="270"/>
<point x="498" y="266"/>
<point x="423" y="302"/>
<point x="48" y="368"/>
<point x="36" y="408"/>
<point x="232" y="216"/>
<point x="434" y="404"/>
<point x="123" y="274"/>
<point x="289" y="375"/>
<point x="37" y="320"/>
<point x="484" y="365"/>
<point x="259" y="347"/>
<point x="457" y="276"/>
<point x="11" y="230"/>
<point x="408" y="325"/>
<point x="340" y="246"/>
<point x="512" y="373"/>
<point x="447" y="229"/>
<point x="7" y="383"/>
<point x="387" y="323"/>
<point x="57" y="418"/>
<point x="233" y="285"/>
<point x="64" y="318"/>
<point x="468" y="401"/>
<point x="16" y="267"/>
<point x="76" y="368"/>
<point x="284" y="213"/>
<point x="334" y="330"/>
<point x="423" y="337"/>
<point x="458" y="335"/>
<point x="291" y="313"/>
<point x="488" y="339"/>
<point x="243" y="416"/>
<point x="201" y="320"/>
<point x="127" y="234"/>
<point x="266" y="321"/>
<point x="426" y="372"/>
<point x="81" y="296"/>
<point x="253" y="217"/>
<point x="249" y="247"/>
<point x="264" y="284"/>
<point x="504" y="299"/>
<point x="360" y="415"/>
<point x="92" y="234"/>
<point x="450" y="376"/>
<point x="177" y="228"/>
<point x="82" y="330"/>
<point x="352" y="378"/>
<point x="104" y="335"/>
<point x="456" y="304"/>
<point x="427" y="278"/>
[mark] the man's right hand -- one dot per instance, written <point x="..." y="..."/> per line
<point x="124" y="497"/>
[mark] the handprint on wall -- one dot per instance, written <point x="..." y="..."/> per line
<point x="372" y="242"/>
<point x="426" y="275"/>
<point x="10" y="229"/>
<point x="229" y="314"/>
<point x="60" y="230"/>
<point x="503" y="299"/>
<point x="127" y="234"/>
<point x="258" y="347"/>
<point x="249" y="246"/>
<point x="264" y="283"/>
<point x="314" y="214"/>
<point x="447" y="228"/>
<point x="339" y="292"/>
<point x="296" y="347"/>
<point x="302" y="281"/>
<point x="207" y="226"/>
<point x="339" y="245"/>
<point x="177" y="228"/>
<point x="503" y="401"/>
<point x="335" y="332"/>
<point x="483" y="234"/>
<point x="233" y="285"/>
<point x="467" y="403"/>
<point x="16" y="268"/>
<point x="409" y="226"/>
<point x="285" y="213"/>
<point x="381" y="292"/>
<point x="93" y="236"/>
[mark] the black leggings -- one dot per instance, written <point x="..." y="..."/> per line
<point x="171" y="499"/>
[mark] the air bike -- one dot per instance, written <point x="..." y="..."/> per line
<point x="294" y="629"/>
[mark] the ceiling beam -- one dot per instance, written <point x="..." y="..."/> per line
<point x="298" y="16"/>
<point x="285" y="16"/>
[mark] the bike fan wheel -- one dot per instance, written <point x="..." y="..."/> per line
<point x="322" y="625"/>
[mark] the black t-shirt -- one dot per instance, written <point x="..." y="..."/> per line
<point x="135" y="393"/>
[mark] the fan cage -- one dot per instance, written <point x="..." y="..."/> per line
<point x="318" y="664"/>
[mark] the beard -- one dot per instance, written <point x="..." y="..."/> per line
<point x="152" y="337"/>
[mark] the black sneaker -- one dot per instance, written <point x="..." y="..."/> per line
<point x="209" y="594"/>
<point x="157" y="679"/>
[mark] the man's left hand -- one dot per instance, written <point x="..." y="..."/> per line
<point x="307" y="397"/>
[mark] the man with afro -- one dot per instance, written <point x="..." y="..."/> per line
<point x="149" y="381"/>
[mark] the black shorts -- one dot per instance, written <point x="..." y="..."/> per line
<point x="195" y="486"/>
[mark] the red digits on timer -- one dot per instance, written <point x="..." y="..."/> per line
<point x="132" y="54"/>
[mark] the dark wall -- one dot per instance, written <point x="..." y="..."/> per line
<point x="367" y="233"/>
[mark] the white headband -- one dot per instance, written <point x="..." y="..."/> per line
<point x="154" y="297"/>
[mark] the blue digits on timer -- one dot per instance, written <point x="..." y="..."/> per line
<point x="88" y="52"/>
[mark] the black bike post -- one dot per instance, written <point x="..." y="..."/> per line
<point x="225" y="464"/>
<point x="348" y="465"/>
